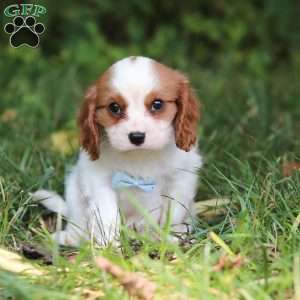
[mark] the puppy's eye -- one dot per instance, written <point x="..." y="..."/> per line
<point x="115" y="109"/>
<point x="156" y="105"/>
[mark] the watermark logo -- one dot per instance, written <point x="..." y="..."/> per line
<point x="24" y="30"/>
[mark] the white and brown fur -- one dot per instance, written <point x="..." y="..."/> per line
<point x="168" y="155"/>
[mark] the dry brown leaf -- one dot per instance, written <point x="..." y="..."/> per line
<point x="8" y="115"/>
<point x="229" y="262"/>
<point x="134" y="283"/>
<point x="289" y="168"/>
<point x="12" y="262"/>
<point x="223" y="260"/>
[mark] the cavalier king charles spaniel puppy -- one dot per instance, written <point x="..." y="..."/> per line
<point x="138" y="158"/>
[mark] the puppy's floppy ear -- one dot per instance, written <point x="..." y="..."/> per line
<point x="187" y="116"/>
<point x="90" y="131"/>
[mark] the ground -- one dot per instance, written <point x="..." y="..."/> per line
<point x="248" y="135"/>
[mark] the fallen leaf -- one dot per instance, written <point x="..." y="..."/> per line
<point x="289" y="168"/>
<point x="12" y="262"/>
<point x="8" y="115"/>
<point x="64" y="141"/>
<point x="134" y="283"/>
<point x="229" y="262"/>
<point x="221" y="263"/>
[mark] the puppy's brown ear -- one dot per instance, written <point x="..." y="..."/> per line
<point x="187" y="116"/>
<point x="90" y="131"/>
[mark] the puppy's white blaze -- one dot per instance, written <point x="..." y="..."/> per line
<point x="134" y="77"/>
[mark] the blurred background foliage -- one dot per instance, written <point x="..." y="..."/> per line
<point x="90" y="35"/>
<point x="241" y="56"/>
<point x="84" y="37"/>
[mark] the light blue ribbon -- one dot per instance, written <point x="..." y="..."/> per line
<point x="124" y="180"/>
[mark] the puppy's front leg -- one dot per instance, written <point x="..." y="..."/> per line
<point x="104" y="217"/>
<point x="180" y="193"/>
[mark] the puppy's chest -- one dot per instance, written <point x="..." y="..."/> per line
<point x="152" y="165"/>
<point x="138" y="200"/>
<point x="149" y="171"/>
<point x="134" y="202"/>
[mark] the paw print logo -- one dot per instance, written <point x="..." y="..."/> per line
<point x="24" y="31"/>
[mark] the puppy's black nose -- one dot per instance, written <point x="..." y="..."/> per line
<point x="137" y="138"/>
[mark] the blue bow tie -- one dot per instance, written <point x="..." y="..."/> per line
<point x="124" y="180"/>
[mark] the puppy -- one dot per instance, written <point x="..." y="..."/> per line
<point x="139" y="156"/>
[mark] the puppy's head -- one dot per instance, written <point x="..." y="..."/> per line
<point x="139" y="104"/>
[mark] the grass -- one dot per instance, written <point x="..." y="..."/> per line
<point x="250" y="127"/>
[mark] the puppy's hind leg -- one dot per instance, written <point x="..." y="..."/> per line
<point x="55" y="203"/>
<point x="73" y="210"/>
<point x="76" y="228"/>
